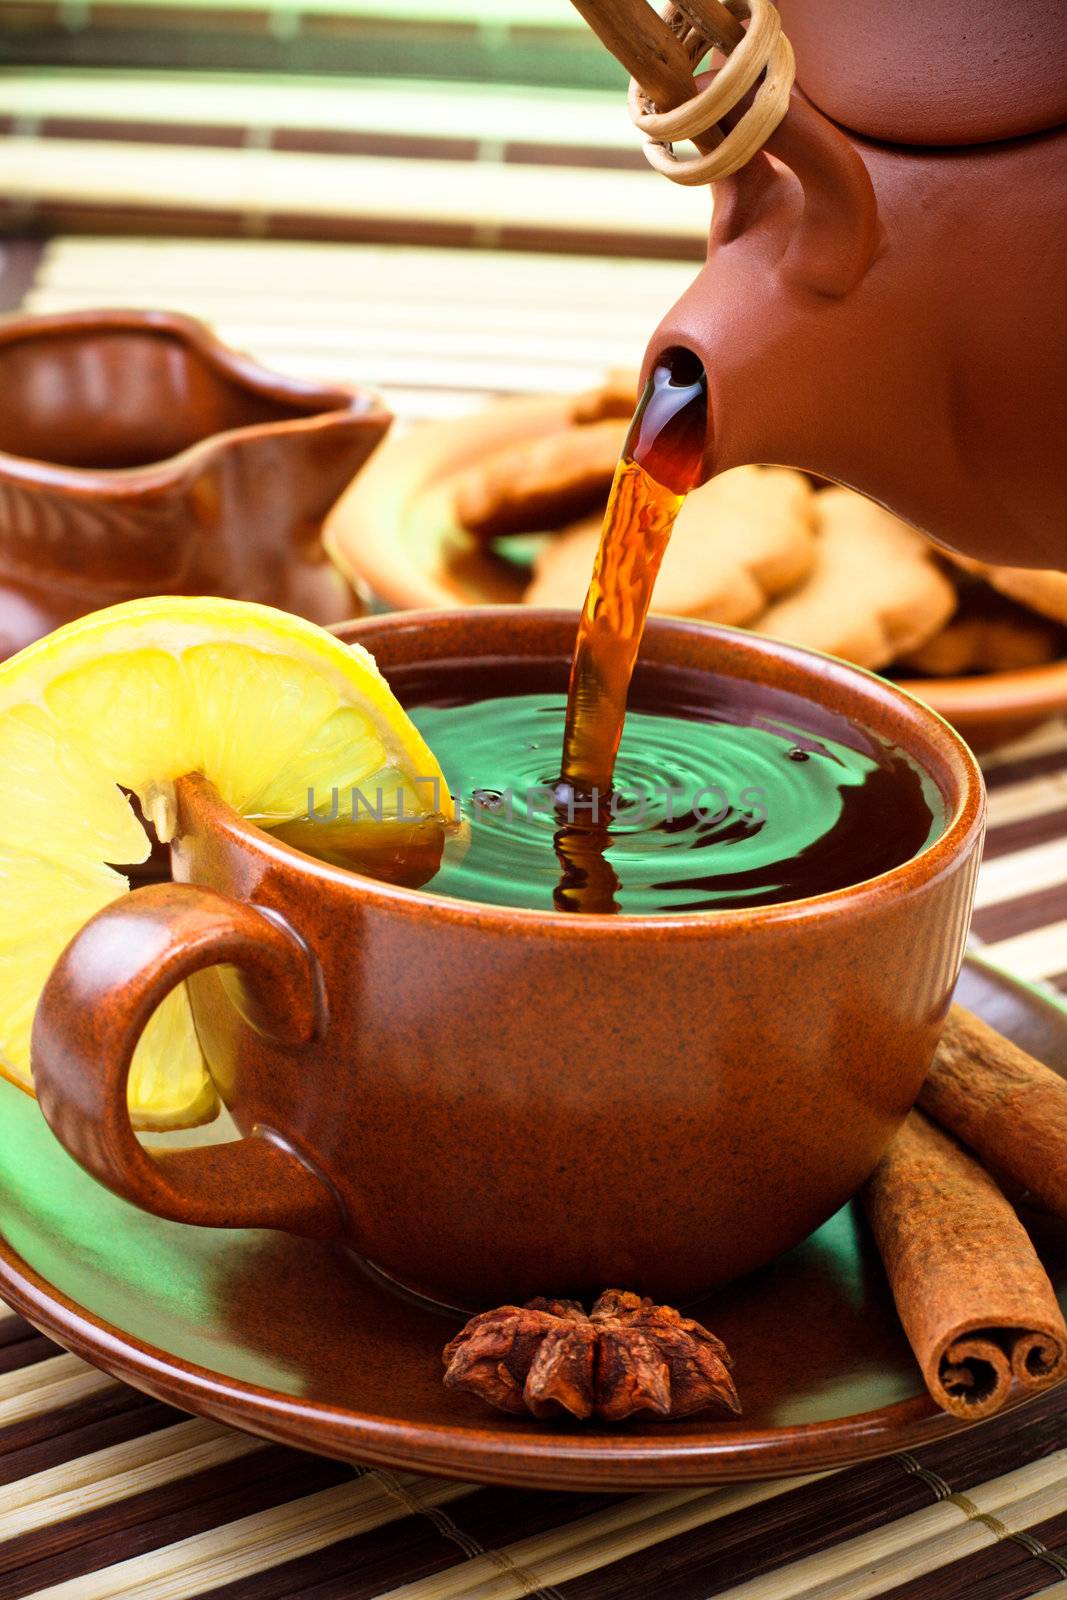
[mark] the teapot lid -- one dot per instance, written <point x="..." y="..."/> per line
<point x="934" y="73"/>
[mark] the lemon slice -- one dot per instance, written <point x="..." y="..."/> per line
<point x="272" y="709"/>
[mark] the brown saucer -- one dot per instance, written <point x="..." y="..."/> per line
<point x="279" y="1336"/>
<point x="394" y="530"/>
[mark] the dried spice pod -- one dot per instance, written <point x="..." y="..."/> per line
<point x="1007" y="1107"/>
<point x="650" y="1358"/>
<point x="974" y="1299"/>
<point x="538" y="1357"/>
<point x="627" y="1357"/>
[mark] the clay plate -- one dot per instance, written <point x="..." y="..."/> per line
<point x="394" y="531"/>
<point x="288" y="1339"/>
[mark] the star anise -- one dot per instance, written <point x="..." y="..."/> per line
<point x="627" y="1357"/>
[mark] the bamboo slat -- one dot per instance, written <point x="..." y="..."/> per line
<point x="566" y="1552"/>
<point x="1021" y="802"/>
<point x="526" y="14"/>
<point x="61" y="1380"/>
<point x="105" y="1476"/>
<point x="262" y="183"/>
<point x="1023" y="872"/>
<point x="1051" y="738"/>
<point x="500" y="114"/>
<point x="1040" y="953"/>
<point x="925" y="1542"/>
<point x="253" y="1544"/>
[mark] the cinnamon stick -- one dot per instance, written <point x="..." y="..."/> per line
<point x="1004" y="1105"/>
<point x="975" y="1301"/>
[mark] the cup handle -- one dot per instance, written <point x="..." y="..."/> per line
<point x="98" y="998"/>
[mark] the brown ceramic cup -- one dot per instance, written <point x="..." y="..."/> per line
<point x="487" y="1103"/>
<point x="139" y="456"/>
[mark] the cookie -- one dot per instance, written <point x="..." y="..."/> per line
<point x="988" y="634"/>
<point x="541" y="483"/>
<point x="739" y="541"/>
<point x="875" y="592"/>
<point x="1040" y="589"/>
<point x="615" y="397"/>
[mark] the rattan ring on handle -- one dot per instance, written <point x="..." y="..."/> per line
<point x="764" y="46"/>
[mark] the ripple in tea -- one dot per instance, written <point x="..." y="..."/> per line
<point x="725" y="794"/>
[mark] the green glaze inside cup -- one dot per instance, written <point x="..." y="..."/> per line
<point x="724" y="796"/>
<point x="730" y="792"/>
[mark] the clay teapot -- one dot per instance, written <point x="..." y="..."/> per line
<point x="139" y="455"/>
<point x="882" y="301"/>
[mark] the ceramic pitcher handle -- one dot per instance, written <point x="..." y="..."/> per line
<point x="100" y="995"/>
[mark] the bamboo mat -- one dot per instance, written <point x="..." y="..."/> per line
<point x="361" y="157"/>
<point x="105" y="1493"/>
<point x="436" y="332"/>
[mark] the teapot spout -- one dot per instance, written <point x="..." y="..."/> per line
<point x="801" y="227"/>
<point x="933" y="384"/>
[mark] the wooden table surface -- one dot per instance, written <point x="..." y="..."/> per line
<point x="106" y="1493"/>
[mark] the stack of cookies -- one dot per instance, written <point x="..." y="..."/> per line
<point x="768" y="548"/>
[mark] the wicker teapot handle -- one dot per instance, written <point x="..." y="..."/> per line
<point x="661" y="54"/>
<point x="838" y="233"/>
